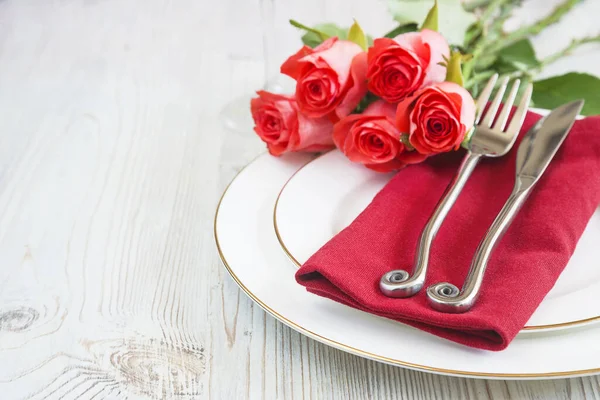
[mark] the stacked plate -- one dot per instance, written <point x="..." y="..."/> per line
<point x="278" y="211"/>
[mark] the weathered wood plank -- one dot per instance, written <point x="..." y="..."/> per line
<point x="112" y="159"/>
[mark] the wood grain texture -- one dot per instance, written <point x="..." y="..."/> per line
<point x="112" y="159"/>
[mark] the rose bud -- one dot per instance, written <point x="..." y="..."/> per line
<point x="372" y="139"/>
<point x="330" y="79"/>
<point x="398" y="67"/>
<point x="438" y="119"/>
<point x="283" y="128"/>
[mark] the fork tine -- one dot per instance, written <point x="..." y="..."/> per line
<point x="491" y="113"/>
<point x="484" y="96"/>
<point x="506" y="108"/>
<point x="517" y="120"/>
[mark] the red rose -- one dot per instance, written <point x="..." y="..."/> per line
<point x="280" y="125"/>
<point x="372" y="139"/>
<point x="398" y="67"/>
<point x="438" y="119"/>
<point x="330" y="79"/>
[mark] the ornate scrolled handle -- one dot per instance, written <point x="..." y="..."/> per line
<point x="400" y="283"/>
<point x="448" y="298"/>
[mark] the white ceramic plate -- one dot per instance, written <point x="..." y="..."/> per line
<point x="314" y="206"/>
<point x="250" y="251"/>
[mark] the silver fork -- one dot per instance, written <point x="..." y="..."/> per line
<point x="490" y="139"/>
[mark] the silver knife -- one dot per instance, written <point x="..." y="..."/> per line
<point x="536" y="150"/>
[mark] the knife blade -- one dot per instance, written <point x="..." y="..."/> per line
<point x="542" y="141"/>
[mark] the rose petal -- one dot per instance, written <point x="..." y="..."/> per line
<point x="337" y="57"/>
<point x="324" y="102"/>
<point x="438" y="49"/>
<point x="290" y="67"/>
<point x="389" y="166"/>
<point x="398" y="68"/>
<point x="330" y="79"/>
<point x="356" y="87"/>
<point x="280" y="125"/>
<point x="467" y="106"/>
<point x="394" y="72"/>
<point x="440" y="117"/>
<point x="371" y="138"/>
<point x="327" y="44"/>
<point x="341" y="129"/>
<point x="403" y="115"/>
<point x="313" y="134"/>
<point x="381" y="108"/>
<point x="412" y="41"/>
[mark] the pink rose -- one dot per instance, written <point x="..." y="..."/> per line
<point x="280" y="125"/>
<point x="372" y="139"/>
<point x="438" y="118"/>
<point x="330" y="79"/>
<point x="398" y="67"/>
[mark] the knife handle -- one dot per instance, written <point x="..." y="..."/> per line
<point x="445" y="296"/>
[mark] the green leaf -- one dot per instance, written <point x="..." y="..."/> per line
<point x="356" y="35"/>
<point x="504" y="67"/>
<point x="431" y="20"/>
<point x="552" y="92"/>
<point x="312" y="39"/>
<point x="453" y="70"/>
<point x="485" y="61"/>
<point x="452" y="17"/>
<point x="400" y="29"/>
<point x="520" y="54"/>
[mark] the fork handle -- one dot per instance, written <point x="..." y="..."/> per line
<point x="399" y="283"/>
<point x="446" y="297"/>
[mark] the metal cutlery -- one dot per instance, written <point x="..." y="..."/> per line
<point x="490" y="139"/>
<point x="535" y="152"/>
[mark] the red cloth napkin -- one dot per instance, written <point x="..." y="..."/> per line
<point x="523" y="268"/>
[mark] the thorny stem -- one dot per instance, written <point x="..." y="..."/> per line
<point x="481" y="77"/>
<point x="492" y="7"/>
<point x="505" y="14"/>
<point x="484" y="76"/>
<point x="477" y="79"/>
<point x="532" y="29"/>
<point x="489" y="44"/>
<point x="567" y="50"/>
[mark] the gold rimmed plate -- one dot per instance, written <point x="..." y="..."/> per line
<point x="314" y="206"/>
<point x="250" y="251"/>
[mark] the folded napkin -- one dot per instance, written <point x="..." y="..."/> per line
<point x="523" y="268"/>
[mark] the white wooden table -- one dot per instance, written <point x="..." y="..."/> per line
<point x="112" y="159"/>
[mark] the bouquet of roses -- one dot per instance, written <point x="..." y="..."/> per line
<point x="399" y="99"/>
